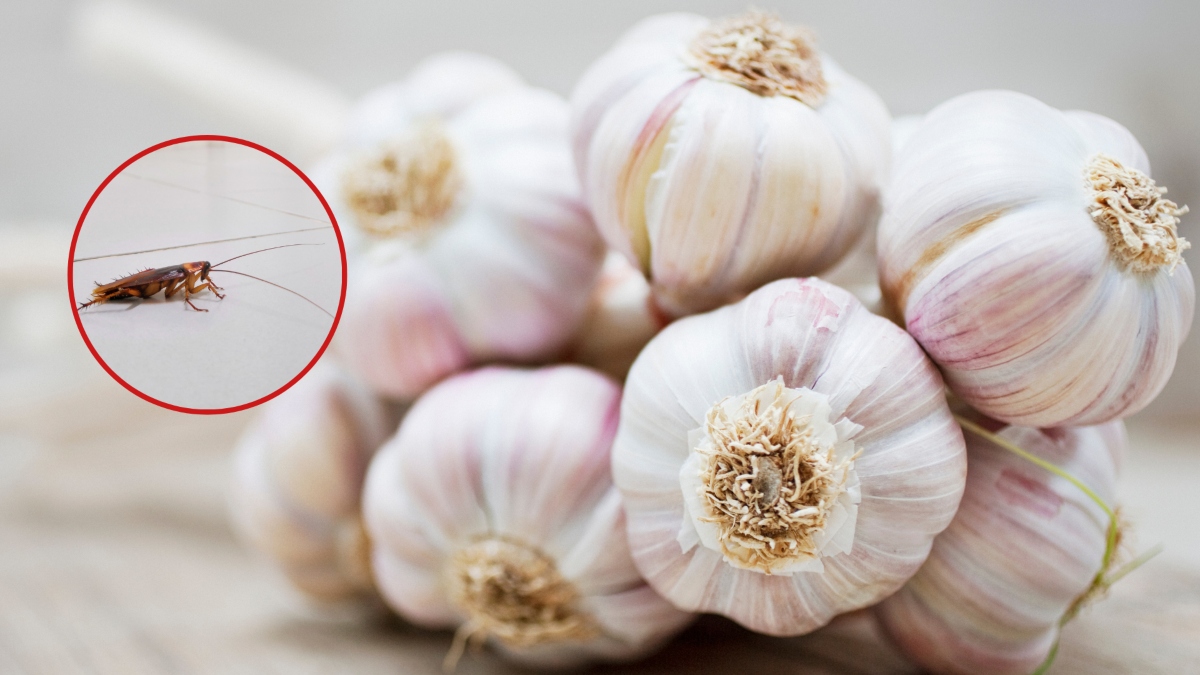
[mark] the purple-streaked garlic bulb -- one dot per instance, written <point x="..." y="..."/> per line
<point x="298" y="475"/>
<point x="621" y="319"/>
<point x="470" y="240"/>
<point x="785" y="459"/>
<point x="493" y="513"/>
<point x="1023" y="551"/>
<point x="720" y="155"/>
<point x="1034" y="258"/>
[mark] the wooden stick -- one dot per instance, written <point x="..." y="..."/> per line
<point x="270" y="98"/>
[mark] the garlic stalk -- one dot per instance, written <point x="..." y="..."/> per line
<point x="493" y="512"/>
<point x="297" y="481"/>
<point x="621" y="319"/>
<point x="1026" y="549"/>
<point x="1036" y="261"/>
<point x="720" y="155"/>
<point x="785" y="459"/>
<point x="470" y="241"/>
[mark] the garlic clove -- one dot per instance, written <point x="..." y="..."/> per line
<point x="648" y="45"/>
<point x="760" y="162"/>
<point x="624" y="152"/>
<point x="1022" y="551"/>
<point x="991" y="251"/>
<point x="878" y="392"/>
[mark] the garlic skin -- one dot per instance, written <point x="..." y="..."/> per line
<point x="1023" y="548"/>
<point x="510" y="528"/>
<point x="473" y="244"/>
<point x="298" y="474"/>
<point x="720" y="155"/>
<point x="841" y="393"/>
<point x="1002" y="248"/>
<point x="621" y="319"/>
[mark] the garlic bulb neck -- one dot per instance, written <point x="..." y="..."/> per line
<point x="762" y="54"/>
<point x="1130" y="209"/>
<point x="515" y="593"/>
<point x="405" y="186"/>
<point x="771" y="472"/>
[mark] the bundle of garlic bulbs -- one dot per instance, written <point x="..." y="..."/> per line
<point x="781" y="454"/>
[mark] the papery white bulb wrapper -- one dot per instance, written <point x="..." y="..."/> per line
<point x="298" y="478"/>
<point x="785" y="459"/>
<point x="721" y="155"/>
<point x="471" y="241"/>
<point x="1032" y="256"/>
<point x="1023" y="550"/>
<point x="493" y="512"/>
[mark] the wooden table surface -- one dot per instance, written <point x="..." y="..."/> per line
<point x="116" y="557"/>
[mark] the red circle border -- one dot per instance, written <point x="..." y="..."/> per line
<point x="71" y="273"/>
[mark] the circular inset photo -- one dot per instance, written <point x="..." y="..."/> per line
<point x="207" y="274"/>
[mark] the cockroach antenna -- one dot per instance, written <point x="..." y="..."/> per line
<point x="261" y="250"/>
<point x="284" y="288"/>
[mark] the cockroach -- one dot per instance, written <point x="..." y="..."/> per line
<point x="189" y="277"/>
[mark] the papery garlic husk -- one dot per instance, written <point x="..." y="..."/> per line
<point x="1033" y="257"/>
<point x="719" y="521"/>
<point x="493" y="513"/>
<point x="298" y="475"/>
<point x="621" y="318"/>
<point x="720" y="155"/>
<point x="1023" y="550"/>
<point x="473" y="243"/>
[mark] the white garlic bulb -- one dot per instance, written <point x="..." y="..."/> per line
<point x="621" y="319"/>
<point x="493" y="512"/>
<point x="785" y="459"/>
<point x="474" y="242"/>
<point x="721" y="155"/>
<point x="1033" y="257"/>
<point x="1023" y="551"/>
<point x="297" y="483"/>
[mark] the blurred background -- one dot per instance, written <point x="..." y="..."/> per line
<point x="113" y="536"/>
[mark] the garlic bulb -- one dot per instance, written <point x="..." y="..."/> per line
<point x="298" y="478"/>
<point x="785" y="459"/>
<point x="721" y="155"/>
<point x="1023" y="551"/>
<point x="493" y="512"/>
<point x="474" y="243"/>
<point x="1036" y="261"/>
<point x="621" y="319"/>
